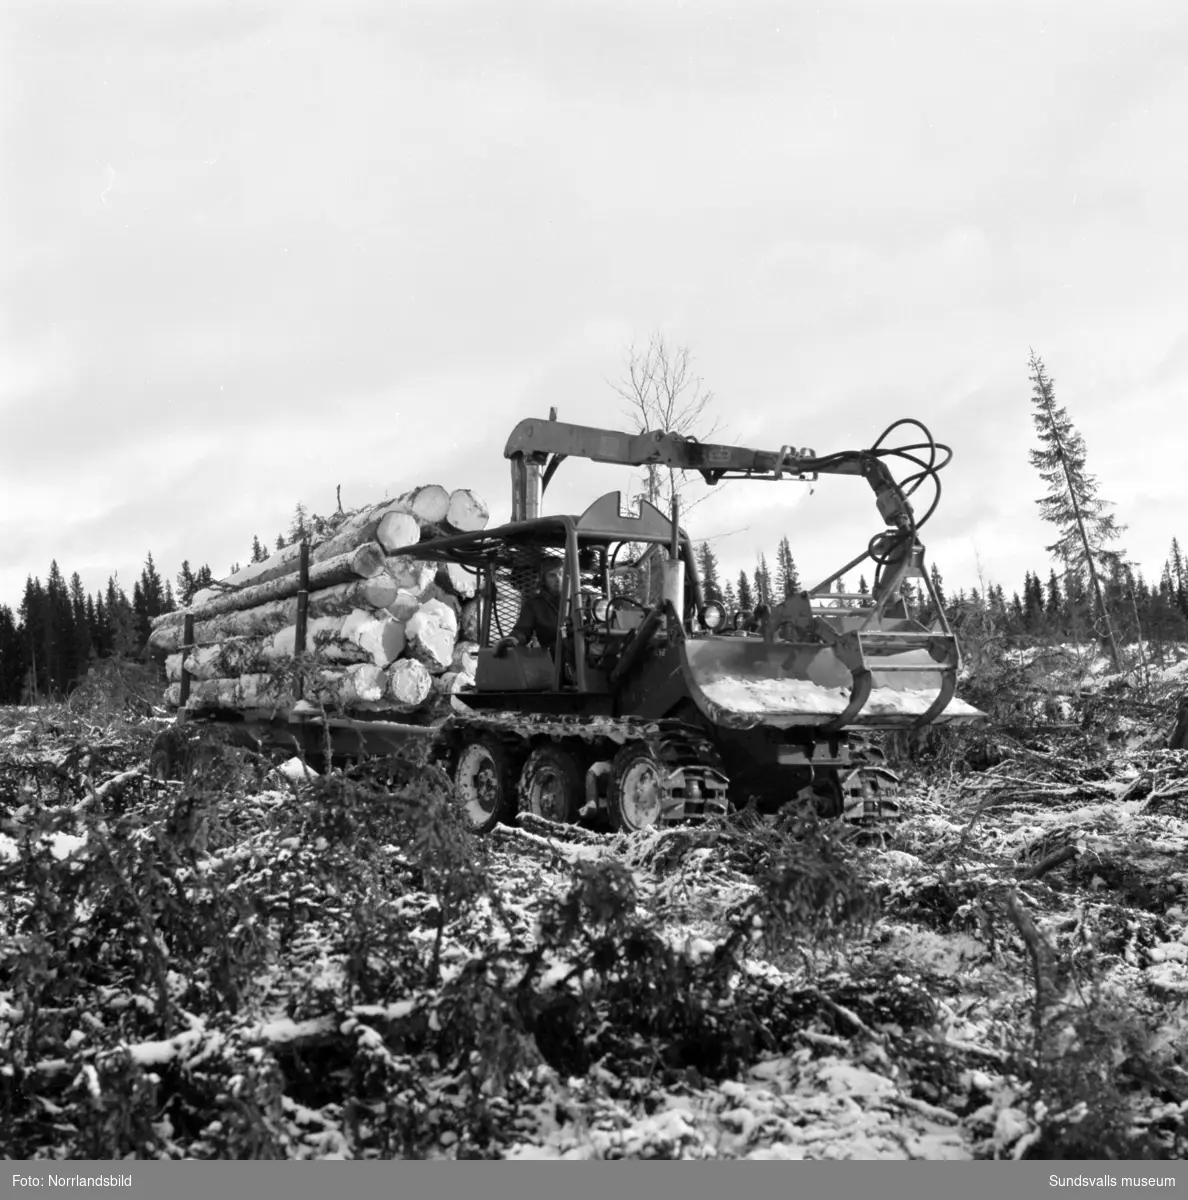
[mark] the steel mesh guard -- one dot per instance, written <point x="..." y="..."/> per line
<point x="513" y="585"/>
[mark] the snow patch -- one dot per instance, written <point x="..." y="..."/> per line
<point x="845" y="1078"/>
<point x="296" y="770"/>
<point x="743" y="695"/>
<point x="944" y="953"/>
<point x="63" y="845"/>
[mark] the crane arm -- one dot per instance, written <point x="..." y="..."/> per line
<point x="538" y="445"/>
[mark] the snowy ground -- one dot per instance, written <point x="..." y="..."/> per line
<point x="269" y="965"/>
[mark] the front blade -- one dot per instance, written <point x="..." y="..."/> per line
<point x="743" y="682"/>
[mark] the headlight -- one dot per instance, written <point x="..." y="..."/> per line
<point x="600" y="607"/>
<point x="713" y="615"/>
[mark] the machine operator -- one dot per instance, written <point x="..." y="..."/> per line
<point x="540" y="614"/>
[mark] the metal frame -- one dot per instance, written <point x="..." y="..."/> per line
<point x="301" y="622"/>
<point x="601" y="524"/>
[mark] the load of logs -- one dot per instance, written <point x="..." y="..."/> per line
<point x="383" y="631"/>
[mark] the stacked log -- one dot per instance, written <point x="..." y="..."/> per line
<point x="387" y="629"/>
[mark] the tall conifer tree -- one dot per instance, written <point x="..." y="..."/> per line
<point x="1073" y="504"/>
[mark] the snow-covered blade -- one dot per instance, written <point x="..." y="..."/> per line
<point x="744" y="682"/>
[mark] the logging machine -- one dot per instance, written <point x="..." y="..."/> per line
<point x="655" y="705"/>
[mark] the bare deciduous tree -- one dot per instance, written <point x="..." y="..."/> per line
<point x="662" y="391"/>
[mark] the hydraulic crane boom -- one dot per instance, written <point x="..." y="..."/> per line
<point x="537" y="448"/>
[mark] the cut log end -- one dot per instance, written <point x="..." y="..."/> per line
<point x="466" y="511"/>
<point x="409" y="684"/>
<point x="430" y="502"/>
<point x="398" y="529"/>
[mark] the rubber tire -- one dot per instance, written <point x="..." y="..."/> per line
<point x="553" y="760"/>
<point x="624" y="818"/>
<point x="476" y="754"/>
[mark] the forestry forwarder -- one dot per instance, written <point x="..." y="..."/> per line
<point x="660" y="713"/>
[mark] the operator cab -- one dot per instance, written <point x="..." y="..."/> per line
<point x="612" y="561"/>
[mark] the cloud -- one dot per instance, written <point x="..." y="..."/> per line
<point x="252" y="252"/>
<point x="32" y="370"/>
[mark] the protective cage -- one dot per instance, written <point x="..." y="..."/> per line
<point x="508" y="587"/>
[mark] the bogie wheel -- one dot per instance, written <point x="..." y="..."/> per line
<point x="552" y="785"/>
<point x="823" y="796"/>
<point x="828" y="799"/>
<point x="636" y="793"/>
<point x="482" y="782"/>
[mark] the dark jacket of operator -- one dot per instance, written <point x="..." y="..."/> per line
<point x="540" y="613"/>
<point x="540" y="616"/>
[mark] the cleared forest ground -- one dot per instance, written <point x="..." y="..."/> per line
<point x="245" y="965"/>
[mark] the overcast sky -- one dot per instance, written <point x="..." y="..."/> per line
<point x="250" y="252"/>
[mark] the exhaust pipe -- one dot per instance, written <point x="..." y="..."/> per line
<point x="673" y="583"/>
<point x="672" y="578"/>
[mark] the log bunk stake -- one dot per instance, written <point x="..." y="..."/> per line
<point x="302" y="611"/>
<point x="187" y="645"/>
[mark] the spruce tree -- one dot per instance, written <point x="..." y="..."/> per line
<point x="122" y="620"/>
<point x="1053" y="603"/>
<point x="186" y="587"/>
<point x="81" y="648"/>
<point x="996" y="603"/>
<point x="707" y="567"/>
<point x="299" y="526"/>
<point x="1016" y="621"/>
<point x="1076" y="616"/>
<point x="762" y="582"/>
<point x="1142" y="591"/>
<point x="59" y="632"/>
<point x="746" y="598"/>
<point x="787" y="576"/>
<point x="911" y="599"/>
<point x="1033" y="603"/>
<point x="148" y="598"/>
<point x="140" y="609"/>
<point x="154" y="587"/>
<point x="729" y="599"/>
<point x="1177" y="571"/>
<point x="32" y="626"/>
<point x="95" y="621"/>
<point x="929" y="610"/>
<point x="938" y="583"/>
<point x="1072" y="504"/>
<point x="101" y="630"/>
<point x="259" y="554"/>
<point x="1166" y="624"/>
<point x="10" y="658"/>
<point x="280" y="541"/>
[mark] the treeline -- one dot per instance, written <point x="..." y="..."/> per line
<point x="1062" y="608"/>
<point x="58" y="629"/>
<point x="760" y="587"/>
<point x="1058" y="608"/>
